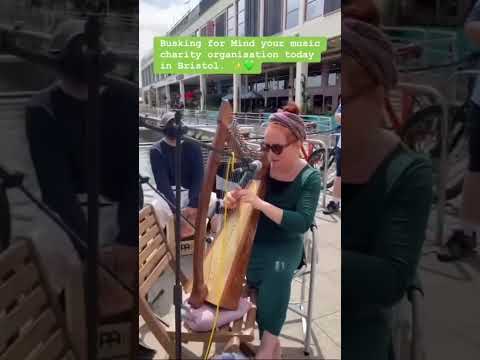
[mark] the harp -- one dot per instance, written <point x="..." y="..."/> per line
<point x="223" y="286"/>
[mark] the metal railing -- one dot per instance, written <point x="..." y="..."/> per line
<point x="310" y="268"/>
<point x="441" y="181"/>
<point x="422" y="47"/>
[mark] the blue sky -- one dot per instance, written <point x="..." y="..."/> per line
<point x="157" y="16"/>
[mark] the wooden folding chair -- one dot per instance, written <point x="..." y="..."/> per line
<point x="31" y="323"/>
<point x="156" y="253"/>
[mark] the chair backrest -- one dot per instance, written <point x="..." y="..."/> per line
<point x="30" y="321"/>
<point x="155" y="250"/>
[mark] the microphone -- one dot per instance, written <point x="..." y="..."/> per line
<point x="8" y="180"/>
<point x="144" y="179"/>
<point x="253" y="166"/>
<point x="249" y="175"/>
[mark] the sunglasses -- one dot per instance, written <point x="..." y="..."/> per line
<point x="277" y="149"/>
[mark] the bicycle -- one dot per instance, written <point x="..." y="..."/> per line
<point x="315" y="156"/>
<point x="421" y="131"/>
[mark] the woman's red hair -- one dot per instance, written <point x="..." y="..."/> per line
<point x="291" y="107"/>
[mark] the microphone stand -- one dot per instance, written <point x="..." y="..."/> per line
<point x="92" y="32"/>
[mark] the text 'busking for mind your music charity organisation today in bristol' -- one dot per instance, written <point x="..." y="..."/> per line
<point x="183" y="49"/>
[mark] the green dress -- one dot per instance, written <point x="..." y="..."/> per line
<point x="278" y="249"/>
<point x="383" y="230"/>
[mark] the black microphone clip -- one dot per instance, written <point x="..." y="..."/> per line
<point x="11" y="180"/>
<point x="144" y="179"/>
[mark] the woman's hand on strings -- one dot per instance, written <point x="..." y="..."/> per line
<point x="249" y="197"/>
<point x="231" y="199"/>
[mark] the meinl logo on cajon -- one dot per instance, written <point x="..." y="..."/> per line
<point x="114" y="341"/>
<point x="186" y="247"/>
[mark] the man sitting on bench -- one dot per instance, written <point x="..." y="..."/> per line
<point x="162" y="160"/>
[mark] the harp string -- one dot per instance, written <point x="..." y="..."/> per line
<point x="230" y="167"/>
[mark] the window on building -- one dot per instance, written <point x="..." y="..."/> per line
<point x="273" y="17"/>
<point x="272" y="84"/>
<point x="241" y="18"/>
<point x="314" y="9"/>
<point x="282" y="101"/>
<point x="315" y="81"/>
<point x="332" y="5"/>
<point x="318" y="103"/>
<point x="252" y="18"/>
<point x="328" y="105"/>
<point x="293" y="8"/>
<point x="272" y="103"/>
<point x="432" y="12"/>
<point x="332" y="79"/>
<point x="231" y="21"/>
<point x="211" y="28"/>
<point x="220" y="25"/>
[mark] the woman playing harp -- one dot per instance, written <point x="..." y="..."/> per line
<point x="287" y="211"/>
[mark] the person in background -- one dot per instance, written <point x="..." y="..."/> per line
<point x="386" y="192"/>
<point x="56" y="130"/>
<point x="162" y="160"/>
<point x="334" y="205"/>
<point x="464" y="239"/>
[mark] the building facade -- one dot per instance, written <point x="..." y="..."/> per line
<point x="314" y="87"/>
<point x="424" y="12"/>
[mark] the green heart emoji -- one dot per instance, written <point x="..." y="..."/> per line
<point x="248" y="64"/>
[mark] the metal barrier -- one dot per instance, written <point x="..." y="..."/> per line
<point x="421" y="47"/>
<point x="299" y="308"/>
<point x="408" y="324"/>
<point x="440" y="99"/>
<point x="325" y="172"/>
